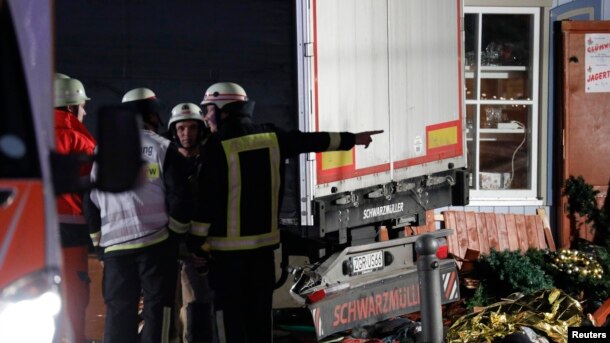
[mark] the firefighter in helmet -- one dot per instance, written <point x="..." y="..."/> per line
<point x="238" y="207"/>
<point x="145" y="102"/>
<point x="187" y="128"/>
<point x="136" y="232"/>
<point x="73" y="137"/>
<point x="188" y="131"/>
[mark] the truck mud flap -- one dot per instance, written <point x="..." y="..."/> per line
<point x="377" y="301"/>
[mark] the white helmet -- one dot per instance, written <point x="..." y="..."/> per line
<point x="61" y="76"/>
<point x="144" y="101"/>
<point x="223" y="93"/>
<point x="185" y="111"/>
<point x="69" y="92"/>
<point x="139" y="94"/>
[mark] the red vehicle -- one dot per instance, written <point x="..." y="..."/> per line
<point x="31" y="174"/>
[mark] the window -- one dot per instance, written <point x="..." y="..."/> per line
<point x="501" y="80"/>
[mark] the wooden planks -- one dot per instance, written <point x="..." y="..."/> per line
<point x="452" y="240"/>
<point x="428" y="227"/>
<point x="460" y="222"/>
<point x="484" y="231"/>
<point x="502" y="232"/>
<point x="473" y="233"/>
<point x="548" y="235"/>
<point x="511" y="231"/>
<point x="492" y="231"/>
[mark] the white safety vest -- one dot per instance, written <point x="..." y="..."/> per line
<point x="138" y="217"/>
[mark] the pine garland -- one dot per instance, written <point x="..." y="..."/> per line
<point x="581" y="200"/>
<point x="507" y="272"/>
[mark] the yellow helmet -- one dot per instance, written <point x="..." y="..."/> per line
<point x="69" y="91"/>
<point x="223" y="93"/>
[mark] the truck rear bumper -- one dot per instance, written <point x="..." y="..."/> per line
<point x="382" y="299"/>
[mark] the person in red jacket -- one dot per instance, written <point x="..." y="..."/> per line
<point x="72" y="137"/>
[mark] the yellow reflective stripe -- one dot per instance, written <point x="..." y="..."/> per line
<point x="244" y="243"/>
<point x="162" y="235"/>
<point x="234" y="196"/>
<point x="177" y="226"/>
<point x="165" y="324"/>
<point x="200" y="229"/>
<point x="220" y="326"/>
<point x="335" y="141"/>
<point x="275" y="184"/>
<point x="95" y="238"/>
<point x="232" y="148"/>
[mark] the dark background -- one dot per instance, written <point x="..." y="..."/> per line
<point x="178" y="48"/>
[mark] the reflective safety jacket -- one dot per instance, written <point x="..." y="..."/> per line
<point x="138" y="218"/>
<point x="72" y="137"/>
<point x="241" y="183"/>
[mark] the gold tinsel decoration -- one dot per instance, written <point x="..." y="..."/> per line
<point x="549" y="311"/>
<point x="574" y="262"/>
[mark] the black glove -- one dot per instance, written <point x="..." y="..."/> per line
<point x="196" y="245"/>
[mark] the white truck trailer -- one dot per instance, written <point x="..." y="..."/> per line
<point x="366" y="64"/>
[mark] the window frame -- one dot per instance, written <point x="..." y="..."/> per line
<point x="513" y="196"/>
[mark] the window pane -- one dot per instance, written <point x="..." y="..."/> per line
<point x="471" y="133"/>
<point x="471" y="23"/>
<point x="505" y="59"/>
<point x="501" y="83"/>
<point x="505" y="147"/>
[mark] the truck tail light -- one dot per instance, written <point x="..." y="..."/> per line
<point x="316" y="296"/>
<point x="322" y="293"/>
<point x="443" y="250"/>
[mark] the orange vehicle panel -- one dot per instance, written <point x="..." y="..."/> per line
<point x="22" y="230"/>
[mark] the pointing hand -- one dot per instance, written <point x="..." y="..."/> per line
<point x="364" y="138"/>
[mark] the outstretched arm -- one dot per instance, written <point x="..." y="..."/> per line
<point x="364" y="138"/>
<point x="296" y="142"/>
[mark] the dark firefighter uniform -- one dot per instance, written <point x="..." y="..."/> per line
<point x="240" y="186"/>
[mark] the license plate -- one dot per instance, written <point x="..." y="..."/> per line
<point x="366" y="262"/>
